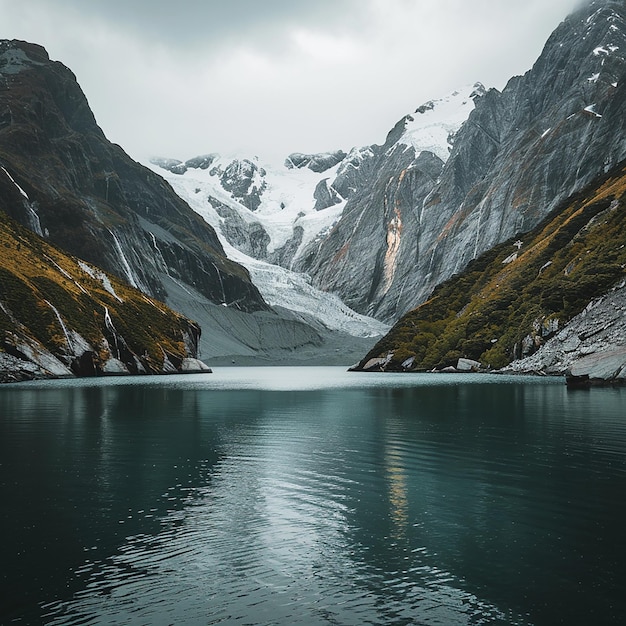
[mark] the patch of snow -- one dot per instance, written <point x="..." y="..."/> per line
<point x="592" y="109"/>
<point x="510" y="259"/>
<point x="433" y="124"/>
<point x="600" y="50"/>
<point x="594" y="78"/>
<point x="545" y="132"/>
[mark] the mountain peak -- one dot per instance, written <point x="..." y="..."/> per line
<point x="17" y="55"/>
<point x="436" y="122"/>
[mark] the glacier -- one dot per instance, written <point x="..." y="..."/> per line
<point x="287" y="203"/>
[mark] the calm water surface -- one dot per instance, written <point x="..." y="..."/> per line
<point x="312" y="496"/>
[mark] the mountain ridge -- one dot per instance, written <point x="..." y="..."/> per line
<point x="61" y="177"/>
<point x="525" y="304"/>
<point x="62" y="317"/>
<point x="504" y="174"/>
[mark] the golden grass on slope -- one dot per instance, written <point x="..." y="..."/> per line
<point x="45" y="293"/>
<point x="493" y="310"/>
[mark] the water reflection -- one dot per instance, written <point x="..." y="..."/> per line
<point x="459" y="504"/>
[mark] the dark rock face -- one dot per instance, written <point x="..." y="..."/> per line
<point x="202" y="162"/>
<point x="315" y="162"/>
<point x="284" y="255"/>
<point x="325" y="196"/>
<point x="248" y="237"/>
<point x="60" y="317"/>
<point x="520" y="153"/>
<point x="243" y="179"/>
<point x="62" y="178"/>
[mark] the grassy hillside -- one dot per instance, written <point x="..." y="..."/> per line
<point x="513" y="298"/>
<point x="55" y="305"/>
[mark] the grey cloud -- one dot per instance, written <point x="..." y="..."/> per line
<point x="190" y="23"/>
<point x="199" y="76"/>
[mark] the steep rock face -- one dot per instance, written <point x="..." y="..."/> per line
<point x="325" y="195"/>
<point x="60" y="177"/>
<point x="540" y="303"/>
<point x="360" y="271"/>
<point x="60" y="317"/>
<point x="315" y="162"/>
<point x="369" y="255"/>
<point x="520" y="153"/>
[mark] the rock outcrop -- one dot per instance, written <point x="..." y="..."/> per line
<point x="315" y="162"/>
<point x="61" y="177"/>
<point x="591" y="348"/>
<point x="63" y="317"/>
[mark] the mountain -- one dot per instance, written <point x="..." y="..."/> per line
<point x="271" y="218"/>
<point x="62" y="178"/>
<point x="61" y="317"/>
<point x="417" y="217"/>
<point x="266" y="211"/>
<point x="283" y="201"/>
<point x="550" y="301"/>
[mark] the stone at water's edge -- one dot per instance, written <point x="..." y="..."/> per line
<point x="195" y="366"/>
<point x="468" y="365"/>
<point x="608" y="367"/>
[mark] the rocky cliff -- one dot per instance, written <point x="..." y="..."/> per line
<point x="549" y="301"/>
<point x="520" y="153"/>
<point x="63" y="179"/>
<point x="62" y="317"/>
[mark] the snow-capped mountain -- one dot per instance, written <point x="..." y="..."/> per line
<point x="286" y="205"/>
<point x="269" y="215"/>
<point x="260" y="208"/>
<point x="415" y="222"/>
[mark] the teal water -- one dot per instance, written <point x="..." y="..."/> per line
<point x="312" y="496"/>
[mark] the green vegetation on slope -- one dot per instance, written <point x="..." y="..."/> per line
<point x="510" y="300"/>
<point x="46" y="296"/>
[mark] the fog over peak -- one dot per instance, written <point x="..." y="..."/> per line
<point x="180" y="79"/>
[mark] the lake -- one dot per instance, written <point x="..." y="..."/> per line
<point x="312" y="496"/>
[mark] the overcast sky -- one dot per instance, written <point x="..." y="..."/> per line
<point x="270" y="77"/>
